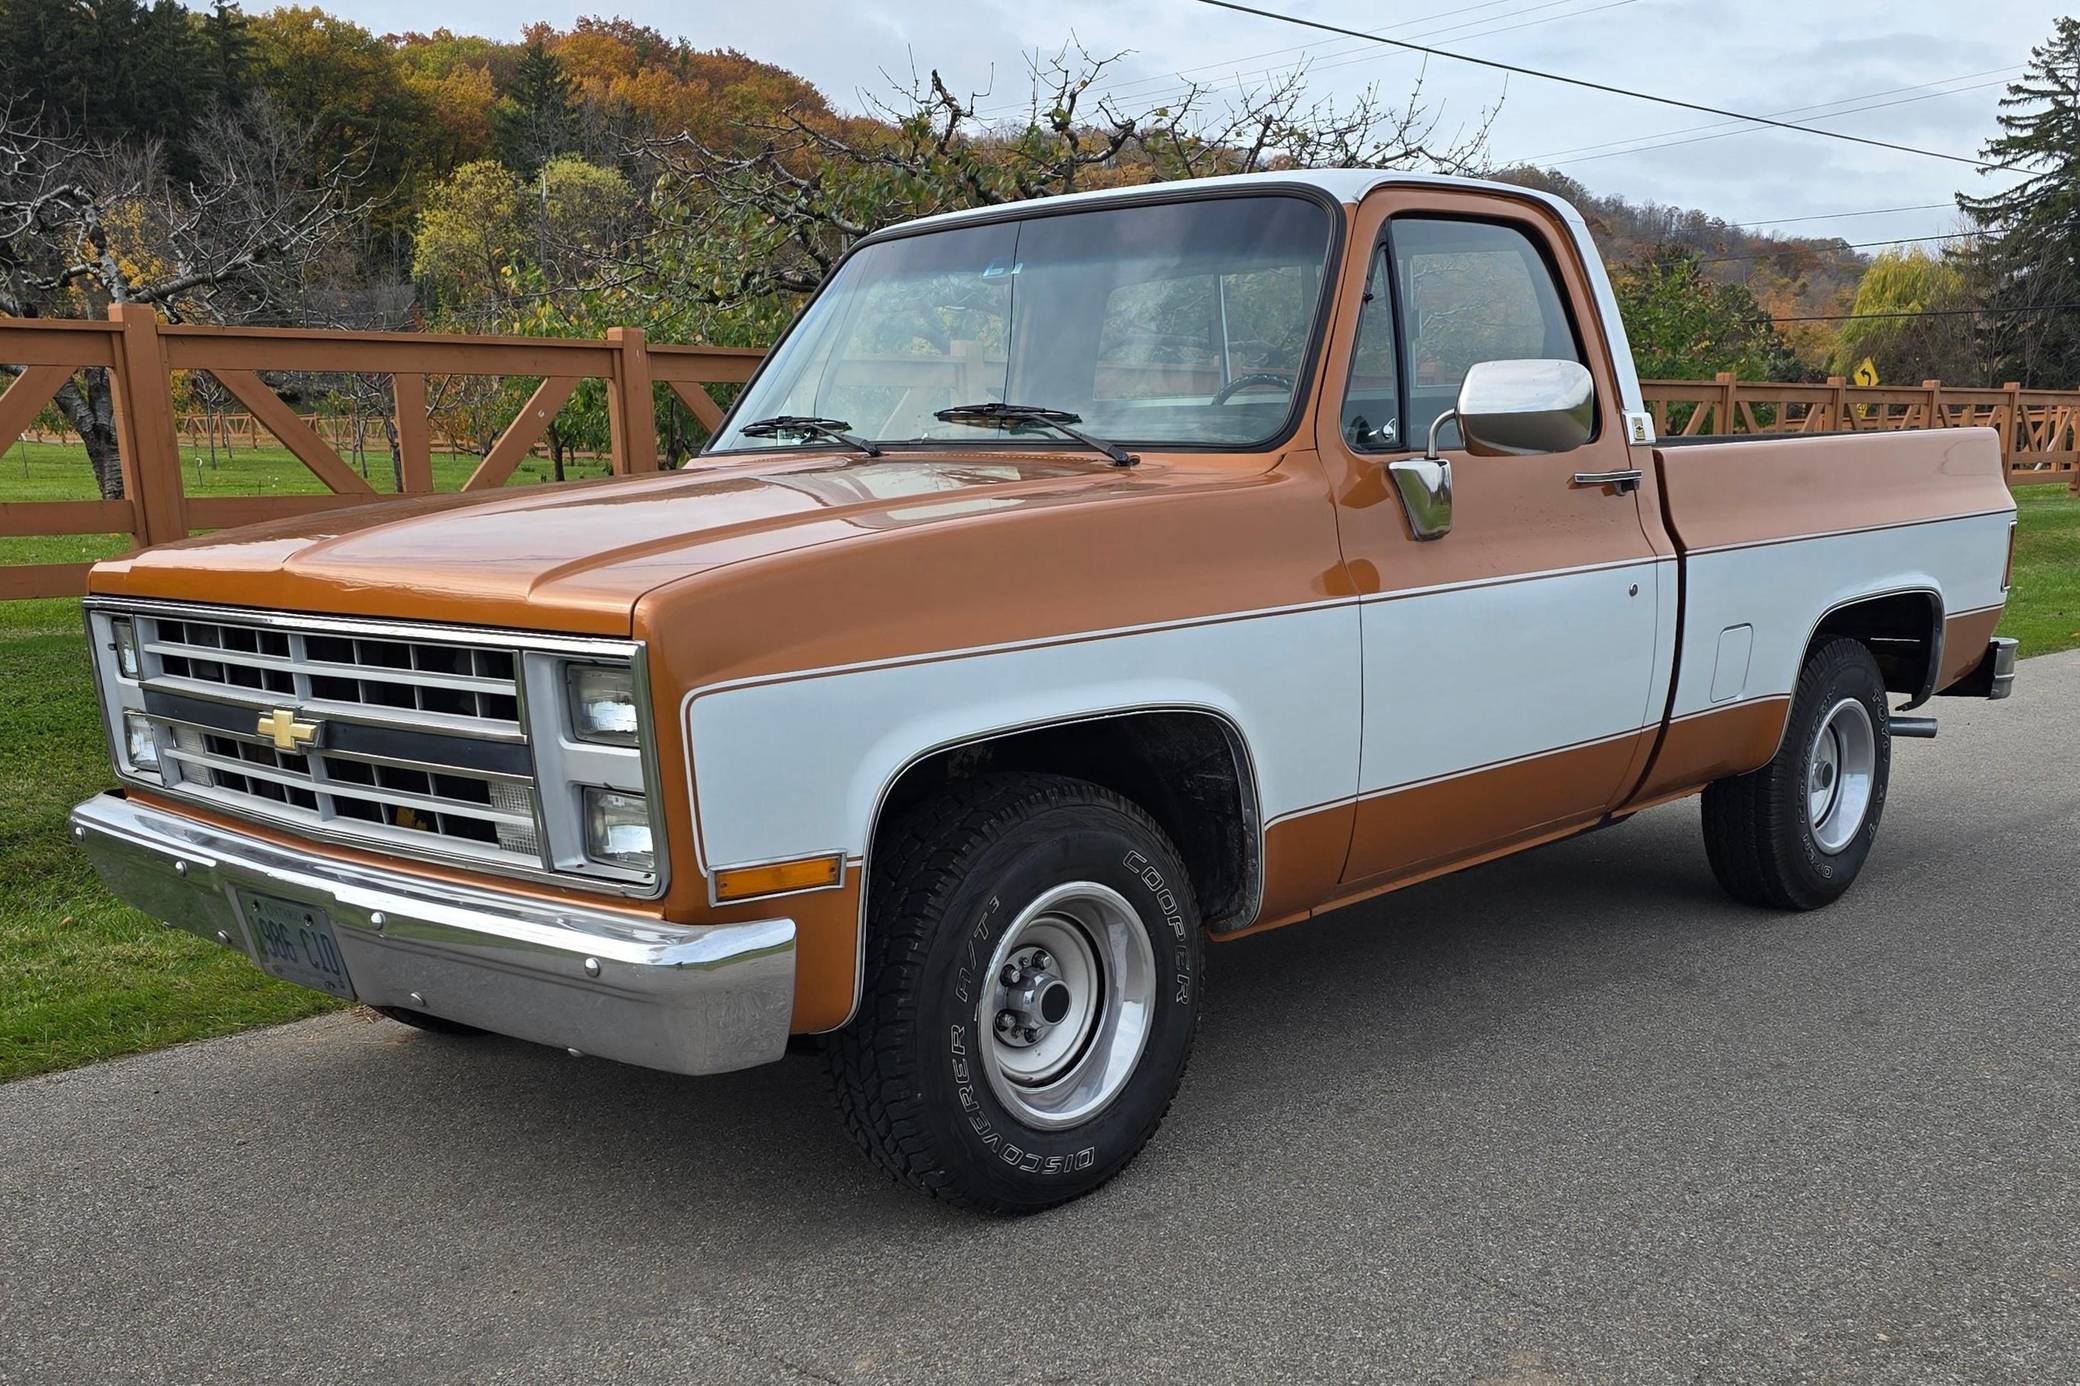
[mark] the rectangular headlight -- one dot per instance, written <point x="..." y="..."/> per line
<point x="617" y="829"/>
<point x="140" y="745"/>
<point x="126" y="646"/>
<point x="602" y="703"/>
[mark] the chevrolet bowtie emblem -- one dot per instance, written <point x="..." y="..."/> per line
<point x="288" y="734"/>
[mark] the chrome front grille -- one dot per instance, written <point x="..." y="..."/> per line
<point x="208" y="684"/>
<point x="445" y="743"/>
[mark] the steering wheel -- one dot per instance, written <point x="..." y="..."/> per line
<point x="1243" y="382"/>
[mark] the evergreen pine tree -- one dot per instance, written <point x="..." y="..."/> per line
<point x="539" y="117"/>
<point x="2030" y="258"/>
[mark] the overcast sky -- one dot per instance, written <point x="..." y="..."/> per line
<point x="1937" y="66"/>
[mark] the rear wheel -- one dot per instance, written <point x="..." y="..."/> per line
<point x="1031" y="993"/>
<point x="1795" y="834"/>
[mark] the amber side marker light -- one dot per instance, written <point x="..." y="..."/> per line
<point x="747" y="882"/>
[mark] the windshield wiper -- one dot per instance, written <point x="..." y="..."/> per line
<point x="808" y="426"/>
<point x="1015" y="416"/>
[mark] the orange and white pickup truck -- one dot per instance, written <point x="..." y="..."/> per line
<point x="1077" y="582"/>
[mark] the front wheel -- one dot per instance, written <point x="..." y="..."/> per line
<point x="1031" y="993"/>
<point x="1795" y="834"/>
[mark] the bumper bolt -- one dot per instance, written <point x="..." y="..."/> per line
<point x="592" y="967"/>
<point x="80" y="833"/>
<point x="416" y="999"/>
<point x="180" y="868"/>
<point x="378" y="920"/>
<point x="223" y="938"/>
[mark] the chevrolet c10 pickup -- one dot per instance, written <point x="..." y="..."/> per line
<point x="1077" y="582"/>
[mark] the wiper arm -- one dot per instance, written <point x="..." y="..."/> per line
<point x="1014" y="416"/>
<point x="808" y="426"/>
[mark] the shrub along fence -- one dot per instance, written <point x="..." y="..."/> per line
<point x="141" y="355"/>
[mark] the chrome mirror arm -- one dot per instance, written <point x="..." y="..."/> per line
<point x="1436" y="428"/>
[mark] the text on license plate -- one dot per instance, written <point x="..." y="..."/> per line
<point x="294" y="942"/>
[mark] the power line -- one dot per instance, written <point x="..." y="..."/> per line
<point x="1841" y="216"/>
<point x="1824" y="110"/>
<point x="1588" y="85"/>
<point x="1137" y="89"/>
<point x="1853" y="245"/>
<point x="1938" y="313"/>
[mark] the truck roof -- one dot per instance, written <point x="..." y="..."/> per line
<point x="1351" y="185"/>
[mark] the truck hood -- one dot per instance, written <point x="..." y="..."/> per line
<point x="578" y="557"/>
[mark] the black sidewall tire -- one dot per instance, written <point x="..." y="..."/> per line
<point x="1845" y="670"/>
<point x="1006" y="1161"/>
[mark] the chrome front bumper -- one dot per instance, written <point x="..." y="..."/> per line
<point x="686" y="998"/>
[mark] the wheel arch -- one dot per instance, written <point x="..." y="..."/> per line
<point x="1213" y="818"/>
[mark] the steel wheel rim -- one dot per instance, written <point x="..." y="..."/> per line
<point x="1841" y="771"/>
<point x="1088" y="1004"/>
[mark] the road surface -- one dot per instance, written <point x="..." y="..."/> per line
<point x="1571" y="1117"/>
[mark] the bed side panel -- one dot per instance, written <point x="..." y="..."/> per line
<point x="1775" y="533"/>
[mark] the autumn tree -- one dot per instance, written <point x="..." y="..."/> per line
<point x="86" y="223"/>
<point x="1684" y="325"/>
<point x="1913" y="318"/>
<point x="749" y="225"/>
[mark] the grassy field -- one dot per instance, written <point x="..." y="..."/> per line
<point x="83" y="978"/>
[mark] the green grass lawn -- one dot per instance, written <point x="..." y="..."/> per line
<point x="2044" y="607"/>
<point x="83" y="978"/>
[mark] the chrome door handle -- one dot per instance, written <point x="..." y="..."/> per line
<point x="1626" y="480"/>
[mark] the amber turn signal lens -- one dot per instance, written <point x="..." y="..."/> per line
<point x="747" y="882"/>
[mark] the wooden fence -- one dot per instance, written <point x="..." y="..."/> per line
<point x="140" y="354"/>
<point x="2039" y="429"/>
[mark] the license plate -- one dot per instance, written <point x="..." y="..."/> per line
<point x="294" y="942"/>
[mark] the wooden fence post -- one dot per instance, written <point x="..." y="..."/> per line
<point x="1838" y="404"/>
<point x="631" y="416"/>
<point x="145" y="433"/>
<point x="1727" y="419"/>
<point x="414" y="447"/>
<point x="1935" y="418"/>
<point x="2014" y="433"/>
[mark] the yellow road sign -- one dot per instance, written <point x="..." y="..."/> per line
<point x="1866" y="374"/>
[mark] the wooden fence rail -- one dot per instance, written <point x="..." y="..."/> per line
<point x="141" y="355"/>
<point x="2039" y="429"/>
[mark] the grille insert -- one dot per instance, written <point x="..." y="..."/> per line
<point x="237" y="672"/>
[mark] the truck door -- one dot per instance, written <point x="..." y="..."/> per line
<point x="1509" y="664"/>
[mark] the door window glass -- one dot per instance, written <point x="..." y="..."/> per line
<point x="1470" y="291"/>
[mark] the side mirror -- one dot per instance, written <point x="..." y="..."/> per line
<point x="1506" y="409"/>
<point x="1522" y="408"/>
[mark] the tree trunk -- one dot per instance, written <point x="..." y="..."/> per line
<point x="90" y="407"/>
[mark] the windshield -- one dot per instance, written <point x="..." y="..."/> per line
<point x="1184" y="324"/>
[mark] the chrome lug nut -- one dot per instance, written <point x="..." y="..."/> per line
<point x="1041" y="962"/>
<point x="1011" y="975"/>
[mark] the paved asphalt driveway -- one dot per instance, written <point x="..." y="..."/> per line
<point x="1572" y="1117"/>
